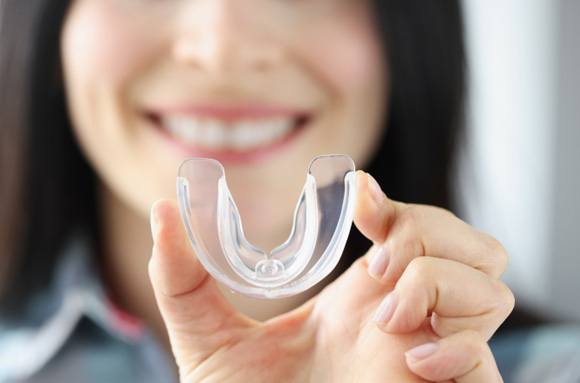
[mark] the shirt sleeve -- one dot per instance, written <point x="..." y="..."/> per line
<point x="546" y="355"/>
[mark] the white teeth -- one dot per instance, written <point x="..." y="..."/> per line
<point x="213" y="134"/>
<point x="216" y="134"/>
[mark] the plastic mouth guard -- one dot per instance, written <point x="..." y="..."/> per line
<point x="322" y="221"/>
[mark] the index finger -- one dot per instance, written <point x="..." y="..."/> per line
<point x="402" y="232"/>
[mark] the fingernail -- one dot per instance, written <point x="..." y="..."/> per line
<point x="421" y="352"/>
<point x="379" y="262"/>
<point x="386" y="309"/>
<point x="154" y="224"/>
<point x="375" y="190"/>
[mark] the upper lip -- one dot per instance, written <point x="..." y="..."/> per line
<point x="228" y="112"/>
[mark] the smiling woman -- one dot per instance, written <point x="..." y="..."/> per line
<point x="100" y="102"/>
<point x="47" y="186"/>
<point x="206" y="83"/>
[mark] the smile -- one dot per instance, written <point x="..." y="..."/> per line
<point x="229" y="133"/>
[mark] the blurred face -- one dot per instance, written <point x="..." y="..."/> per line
<point x="263" y="86"/>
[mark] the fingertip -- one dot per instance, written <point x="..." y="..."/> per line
<point x="173" y="267"/>
<point x="369" y="191"/>
<point x="386" y="309"/>
<point x="398" y="314"/>
<point x="425" y="361"/>
<point x="154" y="216"/>
<point x="161" y="206"/>
<point x="363" y="205"/>
<point x="378" y="262"/>
<point x="164" y="210"/>
<point x="383" y="267"/>
<point x="360" y="174"/>
<point x="462" y="355"/>
<point x="166" y="225"/>
<point x="370" y="208"/>
<point x="420" y="353"/>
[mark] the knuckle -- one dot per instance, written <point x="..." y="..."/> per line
<point x="497" y="249"/>
<point x="360" y="265"/>
<point x="474" y="342"/>
<point x="362" y="262"/>
<point x="498" y="252"/>
<point x="406" y="238"/>
<point x="409" y="219"/>
<point x="419" y="269"/>
<point x="407" y="247"/>
<point x="507" y="298"/>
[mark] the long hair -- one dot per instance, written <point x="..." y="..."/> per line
<point x="47" y="188"/>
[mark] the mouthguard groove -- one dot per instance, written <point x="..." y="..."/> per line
<point x="322" y="221"/>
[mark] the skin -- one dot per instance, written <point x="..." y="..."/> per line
<point x="443" y="300"/>
<point x="116" y="65"/>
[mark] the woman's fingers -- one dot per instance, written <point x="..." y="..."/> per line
<point x="456" y="297"/>
<point x="198" y="319"/>
<point x="375" y="213"/>
<point x="402" y="232"/>
<point x="463" y="358"/>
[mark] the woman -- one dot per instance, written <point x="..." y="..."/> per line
<point x="101" y="101"/>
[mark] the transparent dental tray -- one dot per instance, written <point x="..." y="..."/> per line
<point x="322" y="221"/>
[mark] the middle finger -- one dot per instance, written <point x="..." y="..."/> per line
<point x="456" y="297"/>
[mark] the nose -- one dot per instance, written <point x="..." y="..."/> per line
<point x="218" y="36"/>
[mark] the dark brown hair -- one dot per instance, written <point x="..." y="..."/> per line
<point x="47" y="188"/>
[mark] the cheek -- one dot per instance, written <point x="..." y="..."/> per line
<point x="103" y="44"/>
<point x="352" y="62"/>
<point x="354" y="66"/>
<point x="354" y="74"/>
<point x="104" y="51"/>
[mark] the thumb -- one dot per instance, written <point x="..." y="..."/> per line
<point x="375" y="213"/>
<point x="198" y="318"/>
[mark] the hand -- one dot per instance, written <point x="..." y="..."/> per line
<point x="439" y="277"/>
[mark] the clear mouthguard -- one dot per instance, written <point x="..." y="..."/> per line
<point x="322" y="221"/>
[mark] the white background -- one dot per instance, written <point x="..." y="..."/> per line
<point x="520" y="177"/>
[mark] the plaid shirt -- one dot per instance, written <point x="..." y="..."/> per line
<point x="73" y="333"/>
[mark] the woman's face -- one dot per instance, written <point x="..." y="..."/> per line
<point x="261" y="85"/>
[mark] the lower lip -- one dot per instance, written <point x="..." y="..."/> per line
<point x="231" y="156"/>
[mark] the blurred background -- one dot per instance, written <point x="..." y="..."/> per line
<point x="520" y="178"/>
<point x="520" y="175"/>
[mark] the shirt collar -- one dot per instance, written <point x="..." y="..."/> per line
<point x="75" y="293"/>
